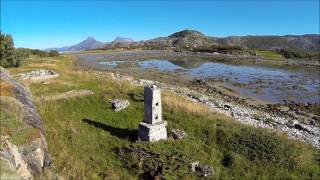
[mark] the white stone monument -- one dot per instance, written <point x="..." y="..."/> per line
<point x="152" y="128"/>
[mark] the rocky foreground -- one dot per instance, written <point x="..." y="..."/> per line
<point x="29" y="159"/>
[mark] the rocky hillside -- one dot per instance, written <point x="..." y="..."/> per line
<point x="191" y="38"/>
<point x="304" y="42"/>
<point x="186" y="38"/>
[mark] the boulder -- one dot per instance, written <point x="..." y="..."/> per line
<point x="194" y="165"/>
<point x="203" y="170"/>
<point x="178" y="134"/>
<point x="118" y="104"/>
<point x="36" y="75"/>
<point x="206" y="170"/>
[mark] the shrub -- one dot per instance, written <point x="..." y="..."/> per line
<point x="295" y="53"/>
<point x="8" y="58"/>
<point x="53" y="53"/>
<point x="39" y="52"/>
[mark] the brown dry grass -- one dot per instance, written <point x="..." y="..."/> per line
<point x="5" y="88"/>
<point x="176" y="102"/>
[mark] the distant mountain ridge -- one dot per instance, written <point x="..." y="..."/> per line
<point x="119" y="39"/>
<point x="92" y="43"/>
<point x="192" y="38"/>
<point x="89" y="43"/>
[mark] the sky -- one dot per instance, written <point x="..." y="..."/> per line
<point x="42" y="24"/>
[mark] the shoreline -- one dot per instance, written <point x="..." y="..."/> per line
<point x="132" y="55"/>
<point x="248" y="110"/>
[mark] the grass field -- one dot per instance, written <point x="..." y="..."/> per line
<point x="85" y="136"/>
<point x="270" y="55"/>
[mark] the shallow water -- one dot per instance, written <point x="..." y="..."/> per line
<point x="268" y="83"/>
<point x="111" y="63"/>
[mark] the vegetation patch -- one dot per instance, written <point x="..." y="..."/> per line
<point x="5" y="88"/>
<point x="25" y="136"/>
<point x="269" y="55"/>
<point x="149" y="165"/>
<point x="12" y="125"/>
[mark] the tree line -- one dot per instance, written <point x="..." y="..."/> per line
<point x="12" y="57"/>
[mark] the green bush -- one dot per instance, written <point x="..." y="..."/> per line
<point x="8" y="58"/>
<point x="295" y="53"/>
<point x="53" y="53"/>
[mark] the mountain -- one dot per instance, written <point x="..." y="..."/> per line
<point x="89" y="43"/>
<point x="185" y="38"/>
<point x="191" y="38"/>
<point x="122" y="40"/>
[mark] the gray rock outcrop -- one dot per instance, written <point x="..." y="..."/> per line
<point x="118" y="104"/>
<point x="31" y="158"/>
<point x="203" y="170"/>
<point x="178" y="134"/>
<point x="41" y="74"/>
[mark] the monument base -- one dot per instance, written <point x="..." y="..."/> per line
<point x="152" y="132"/>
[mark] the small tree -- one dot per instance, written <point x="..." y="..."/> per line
<point x="53" y="53"/>
<point x="8" y="58"/>
<point x="21" y="54"/>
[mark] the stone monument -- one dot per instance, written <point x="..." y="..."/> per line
<point x="152" y="128"/>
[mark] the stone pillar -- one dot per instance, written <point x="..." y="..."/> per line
<point x="152" y="128"/>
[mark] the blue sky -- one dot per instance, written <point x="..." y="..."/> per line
<point x="42" y="24"/>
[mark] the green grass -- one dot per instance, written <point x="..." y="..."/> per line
<point x="11" y="121"/>
<point x="270" y="55"/>
<point x="85" y="136"/>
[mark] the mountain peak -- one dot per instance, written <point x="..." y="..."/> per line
<point x="119" y="39"/>
<point x="90" y="38"/>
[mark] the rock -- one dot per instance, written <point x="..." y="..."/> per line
<point x="194" y="165"/>
<point x="226" y="107"/>
<point x="32" y="158"/>
<point x="206" y="170"/>
<point x="203" y="170"/>
<point x="284" y="108"/>
<point x="8" y="171"/>
<point x="292" y="123"/>
<point x="18" y="159"/>
<point x="118" y="104"/>
<point x="178" y="134"/>
<point x="37" y="75"/>
<point x="4" y="74"/>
